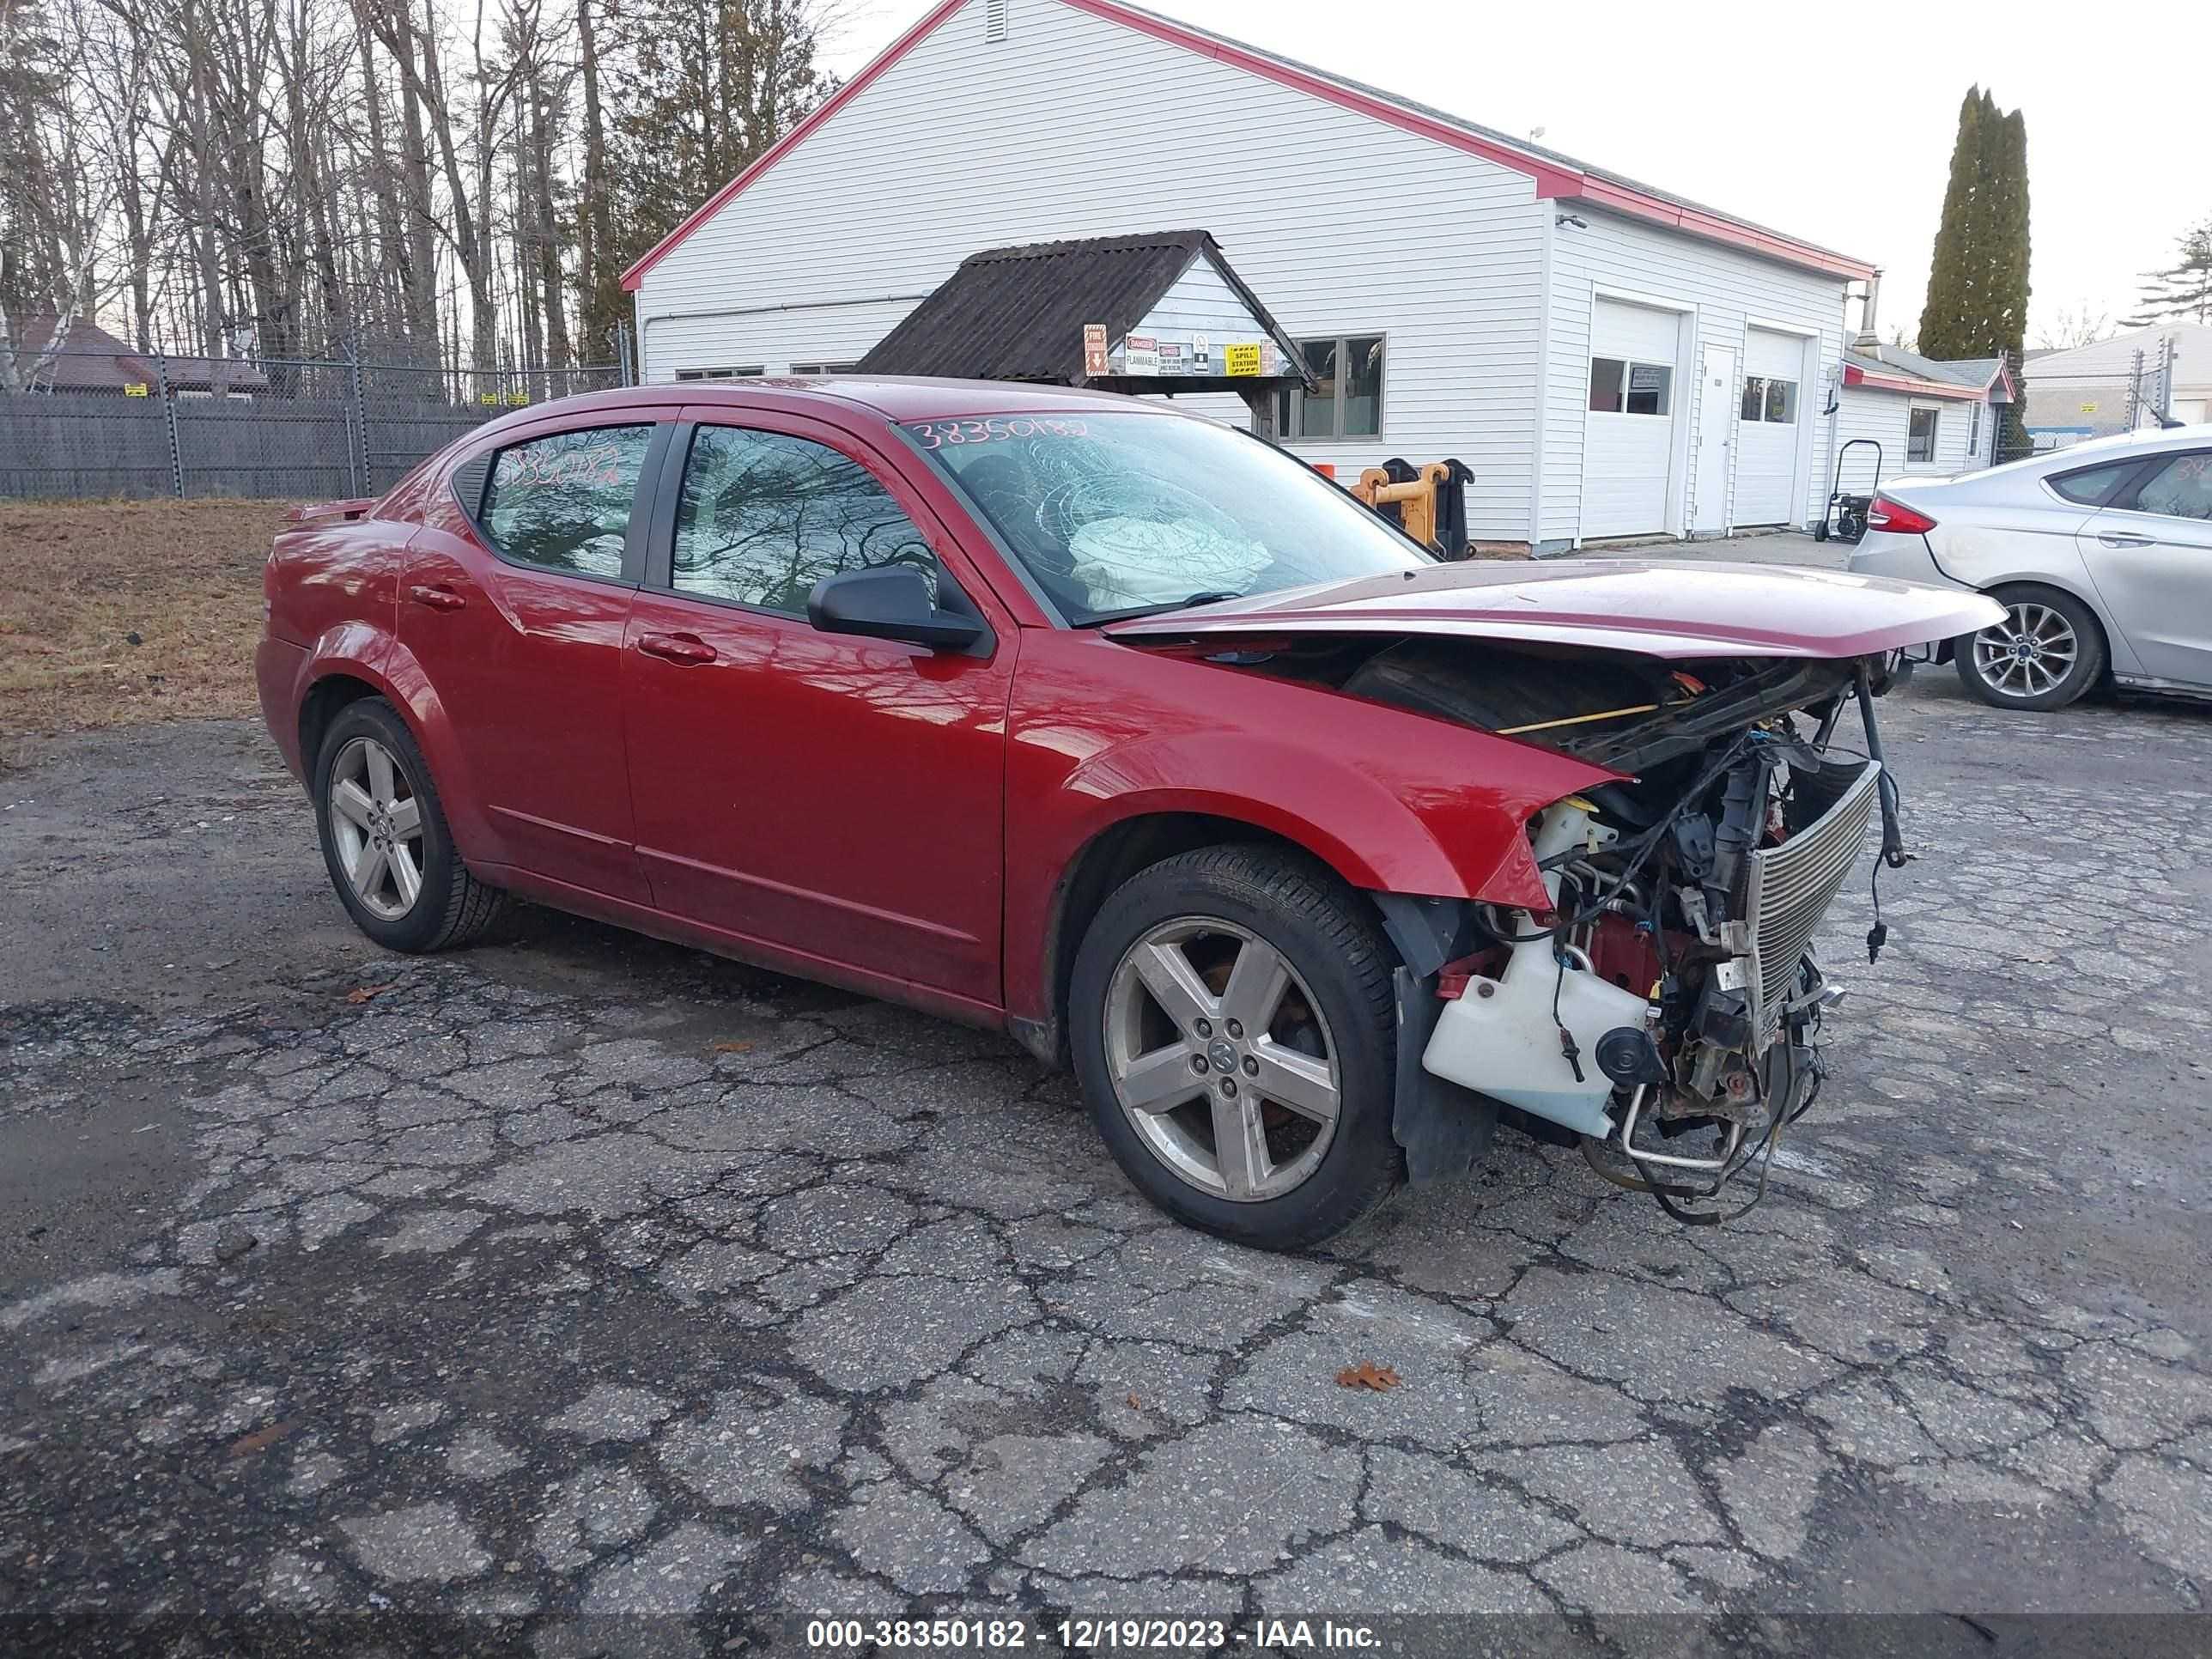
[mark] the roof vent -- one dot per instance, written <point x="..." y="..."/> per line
<point x="994" y="19"/>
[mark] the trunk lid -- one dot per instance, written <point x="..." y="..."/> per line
<point x="1655" y="607"/>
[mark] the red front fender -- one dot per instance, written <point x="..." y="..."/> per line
<point x="1392" y="801"/>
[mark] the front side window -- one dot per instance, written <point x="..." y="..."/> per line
<point x="562" y="503"/>
<point x="1115" y="514"/>
<point x="1619" y="386"/>
<point x="765" y="516"/>
<point x="1920" y="437"/>
<point x="1346" y="401"/>
<point x="2182" y="489"/>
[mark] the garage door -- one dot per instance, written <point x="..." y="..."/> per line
<point x="1766" y="488"/>
<point x="1628" y="443"/>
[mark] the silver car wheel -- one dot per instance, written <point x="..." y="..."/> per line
<point x="1221" y="1059"/>
<point x="376" y="824"/>
<point x="2031" y="652"/>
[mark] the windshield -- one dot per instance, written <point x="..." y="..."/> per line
<point x="1118" y="513"/>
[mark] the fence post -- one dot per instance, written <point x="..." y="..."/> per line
<point x="169" y="416"/>
<point x="358" y="405"/>
<point x="622" y="354"/>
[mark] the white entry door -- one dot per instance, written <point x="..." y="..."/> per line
<point x="1716" y="441"/>
<point x="1769" y="440"/>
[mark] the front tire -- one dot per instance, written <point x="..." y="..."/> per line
<point x="2047" y="652"/>
<point x="385" y="841"/>
<point x="1230" y="1015"/>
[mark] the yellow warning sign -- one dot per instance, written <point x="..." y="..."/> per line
<point x="1240" y="359"/>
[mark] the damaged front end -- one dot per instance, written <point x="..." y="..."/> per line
<point x="1660" y="1007"/>
<point x="1664" y="1013"/>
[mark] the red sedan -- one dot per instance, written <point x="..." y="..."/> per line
<point x="1123" y="732"/>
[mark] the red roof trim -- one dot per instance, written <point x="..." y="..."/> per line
<point x="1553" y="181"/>
<point x="791" y="141"/>
<point x="1604" y="193"/>
<point x="1854" y="375"/>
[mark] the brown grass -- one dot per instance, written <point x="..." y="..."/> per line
<point x="78" y="579"/>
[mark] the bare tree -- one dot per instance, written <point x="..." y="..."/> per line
<point x="444" y="181"/>
<point x="2076" y="325"/>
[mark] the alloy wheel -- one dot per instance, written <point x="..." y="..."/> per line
<point x="2028" y="653"/>
<point x="1221" y="1059"/>
<point x="377" y="824"/>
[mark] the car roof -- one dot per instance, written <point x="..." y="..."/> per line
<point x="895" y="396"/>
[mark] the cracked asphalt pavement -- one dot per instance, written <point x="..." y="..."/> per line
<point x="580" y="1286"/>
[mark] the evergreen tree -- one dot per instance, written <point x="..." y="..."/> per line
<point x="1978" y="283"/>
<point x="1950" y="276"/>
<point x="2000" y="325"/>
<point x="2183" y="291"/>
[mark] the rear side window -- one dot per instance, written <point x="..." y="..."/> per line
<point x="2091" y="485"/>
<point x="562" y="503"/>
<point x="765" y="516"/>
<point x="2182" y="489"/>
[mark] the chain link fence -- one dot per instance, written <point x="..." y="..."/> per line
<point x="97" y="423"/>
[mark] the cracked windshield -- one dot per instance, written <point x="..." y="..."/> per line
<point x="1118" y="513"/>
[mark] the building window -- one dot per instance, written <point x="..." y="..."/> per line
<point x="824" y="368"/>
<point x="751" y="372"/>
<point x="1347" y="398"/>
<point x="1619" y="386"/>
<point x="1974" y="431"/>
<point x="1766" y="398"/>
<point x="1920" y="438"/>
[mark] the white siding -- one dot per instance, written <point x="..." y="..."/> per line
<point x="1871" y="412"/>
<point x="1075" y="126"/>
<point x="1729" y="291"/>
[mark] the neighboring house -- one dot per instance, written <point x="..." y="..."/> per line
<point x="2084" y="391"/>
<point x="93" y="360"/>
<point x="1580" y="340"/>
<point x="1930" y="418"/>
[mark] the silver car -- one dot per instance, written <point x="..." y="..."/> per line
<point x="2101" y="555"/>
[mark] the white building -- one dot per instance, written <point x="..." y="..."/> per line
<point x="1580" y="341"/>
<point x="1929" y="418"/>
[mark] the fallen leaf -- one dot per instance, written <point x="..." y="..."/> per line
<point x="733" y="1047"/>
<point x="1135" y="1405"/>
<point x="260" y="1439"/>
<point x="1367" y="1375"/>
<point x="363" y="992"/>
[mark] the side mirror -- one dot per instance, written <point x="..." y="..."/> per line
<point x="893" y="603"/>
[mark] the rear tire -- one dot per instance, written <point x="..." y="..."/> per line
<point x="386" y="842"/>
<point x="1281" y="983"/>
<point x="2047" y="653"/>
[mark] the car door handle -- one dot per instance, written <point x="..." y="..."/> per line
<point x="2110" y="539"/>
<point x="438" y="597"/>
<point x="686" y="649"/>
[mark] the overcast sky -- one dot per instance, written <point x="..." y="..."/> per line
<point x="1831" y="122"/>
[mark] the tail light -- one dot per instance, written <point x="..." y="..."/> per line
<point x="1896" y="518"/>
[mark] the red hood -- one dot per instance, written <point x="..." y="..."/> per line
<point x="1658" y="607"/>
